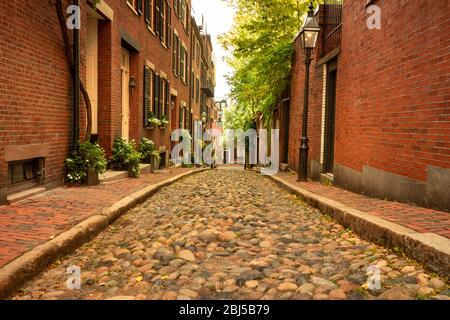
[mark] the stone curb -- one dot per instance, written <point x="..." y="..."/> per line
<point x="24" y="268"/>
<point x="430" y="249"/>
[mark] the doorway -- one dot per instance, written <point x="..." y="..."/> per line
<point x="125" y="68"/>
<point x="92" y="69"/>
<point x="330" y="112"/>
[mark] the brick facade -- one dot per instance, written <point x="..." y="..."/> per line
<point x="392" y="124"/>
<point x="36" y="86"/>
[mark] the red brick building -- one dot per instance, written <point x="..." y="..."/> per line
<point x="379" y="116"/>
<point x="135" y="63"/>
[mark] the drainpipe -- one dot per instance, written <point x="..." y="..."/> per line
<point x="76" y="83"/>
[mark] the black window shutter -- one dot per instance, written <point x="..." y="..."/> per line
<point x="166" y="106"/>
<point x="169" y="25"/>
<point x="157" y="17"/>
<point x="147" y="14"/>
<point x="139" y="6"/>
<point x="161" y="19"/>
<point x="147" y="95"/>
<point x="155" y="95"/>
<point x="161" y="97"/>
<point x="174" y="55"/>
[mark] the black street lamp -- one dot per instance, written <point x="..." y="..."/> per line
<point x="308" y="37"/>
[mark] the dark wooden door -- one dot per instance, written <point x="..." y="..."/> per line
<point x="330" y="111"/>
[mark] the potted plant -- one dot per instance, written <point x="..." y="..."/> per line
<point x="121" y="152"/>
<point x="153" y="121"/>
<point x="155" y="160"/>
<point x="164" y="122"/>
<point x="85" y="163"/>
<point x="133" y="164"/>
<point x="125" y="157"/>
<point x="146" y="148"/>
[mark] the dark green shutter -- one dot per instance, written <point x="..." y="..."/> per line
<point x="147" y="94"/>
<point x="155" y="94"/>
<point x="157" y="17"/>
<point x="161" y="97"/>
<point x="139" y="7"/>
<point x="169" y="25"/>
<point x="166" y="106"/>
<point x="147" y="13"/>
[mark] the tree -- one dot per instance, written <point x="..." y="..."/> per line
<point x="261" y="47"/>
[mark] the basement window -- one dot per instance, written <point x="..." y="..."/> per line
<point x="24" y="172"/>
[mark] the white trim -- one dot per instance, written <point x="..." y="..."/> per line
<point x="163" y="75"/>
<point x="105" y="10"/>
<point x="150" y="65"/>
<point x="173" y="92"/>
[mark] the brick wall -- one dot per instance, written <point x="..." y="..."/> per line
<point x="35" y="84"/>
<point x="393" y="109"/>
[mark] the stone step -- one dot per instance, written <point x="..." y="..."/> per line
<point x="113" y="175"/>
<point x="16" y="197"/>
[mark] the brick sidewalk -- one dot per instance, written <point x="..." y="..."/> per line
<point x="34" y="221"/>
<point x="419" y="219"/>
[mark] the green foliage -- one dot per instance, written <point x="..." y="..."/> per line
<point x="156" y="156"/>
<point x="164" y="121"/>
<point x="153" y="120"/>
<point x="146" y="148"/>
<point x="85" y="156"/>
<point x="261" y="47"/>
<point x="133" y="164"/>
<point x="124" y="155"/>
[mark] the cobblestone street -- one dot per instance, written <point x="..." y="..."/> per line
<point x="231" y="234"/>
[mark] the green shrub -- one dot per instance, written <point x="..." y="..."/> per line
<point x="146" y="148"/>
<point x="121" y="153"/>
<point x="133" y="164"/>
<point x="85" y="156"/>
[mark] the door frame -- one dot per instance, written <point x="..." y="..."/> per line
<point x="125" y="89"/>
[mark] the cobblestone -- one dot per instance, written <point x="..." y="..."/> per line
<point x="231" y="234"/>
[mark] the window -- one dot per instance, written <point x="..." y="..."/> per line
<point x="192" y="86"/>
<point x="197" y="87"/>
<point x="182" y="62"/>
<point x="148" y="13"/>
<point x="176" y="54"/>
<point x="136" y="5"/>
<point x="183" y="12"/>
<point x="181" y="117"/>
<point x="168" y="25"/>
<point x="149" y="76"/>
<point x="157" y="94"/>
<point x="176" y="7"/>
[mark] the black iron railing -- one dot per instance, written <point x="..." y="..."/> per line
<point x="332" y="25"/>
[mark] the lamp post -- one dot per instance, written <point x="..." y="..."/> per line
<point x="308" y="37"/>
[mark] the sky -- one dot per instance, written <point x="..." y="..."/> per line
<point x="218" y="19"/>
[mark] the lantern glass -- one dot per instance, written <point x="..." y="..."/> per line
<point x="309" y="39"/>
<point x="310" y="30"/>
